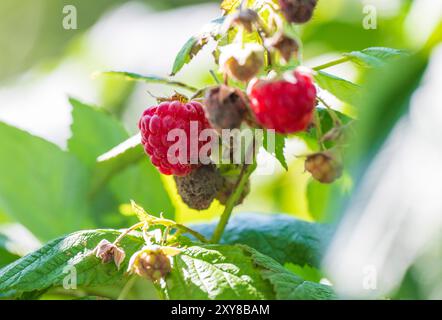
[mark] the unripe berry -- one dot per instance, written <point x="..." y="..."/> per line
<point x="152" y="262"/>
<point x="285" y="105"/>
<point x="323" y="167"/>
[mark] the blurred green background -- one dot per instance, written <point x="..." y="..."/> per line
<point x="48" y="88"/>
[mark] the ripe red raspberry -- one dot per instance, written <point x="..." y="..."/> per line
<point x="155" y="124"/>
<point x="284" y="105"/>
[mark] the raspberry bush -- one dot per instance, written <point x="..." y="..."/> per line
<point x="260" y="84"/>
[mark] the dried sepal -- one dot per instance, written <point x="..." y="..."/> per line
<point x="107" y="251"/>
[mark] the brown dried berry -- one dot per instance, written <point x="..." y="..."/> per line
<point x="286" y="46"/>
<point x="225" y="107"/>
<point x="199" y="188"/>
<point x="323" y="166"/>
<point x="298" y="11"/>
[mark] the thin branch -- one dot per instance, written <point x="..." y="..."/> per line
<point x="331" y="63"/>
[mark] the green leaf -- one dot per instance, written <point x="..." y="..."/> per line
<point x="218" y="272"/>
<point x="276" y="148"/>
<point x="115" y="160"/>
<point x="41" y="186"/>
<point x="386" y="97"/>
<point x="374" y="56"/>
<point x="130" y="175"/>
<point x="305" y="272"/>
<point x="50" y="265"/>
<point x="102" y="143"/>
<point x="282" y="237"/>
<point x="287" y="285"/>
<point x="94" y="131"/>
<point x="130" y="76"/>
<point x="343" y="89"/>
<point x="192" y="46"/>
<point x="318" y="196"/>
<point x="7" y="255"/>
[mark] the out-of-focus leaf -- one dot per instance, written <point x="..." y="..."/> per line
<point x="374" y="56"/>
<point x="41" y="186"/>
<point x="318" y="195"/>
<point x="386" y="97"/>
<point x="49" y="266"/>
<point x="115" y="160"/>
<point x="343" y="89"/>
<point x="217" y="272"/>
<point x="281" y="237"/>
<point x="277" y="148"/>
<point x="287" y="285"/>
<point x="118" y="172"/>
<point x="94" y="131"/>
<point x="142" y="182"/>
<point x="6" y="253"/>
<point x="192" y="46"/>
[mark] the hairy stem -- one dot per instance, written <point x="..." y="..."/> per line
<point x="330" y="111"/>
<point x="194" y="233"/>
<point x="331" y="63"/>
<point x="317" y="122"/>
<point x="127" y="231"/>
<point x="242" y="180"/>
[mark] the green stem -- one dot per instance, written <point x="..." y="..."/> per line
<point x="231" y="202"/>
<point x="319" y="130"/>
<point x="125" y="291"/>
<point x="194" y="233"/>
<point x="331" y="63"/>
<point x="127" y="231"/>
<point x="330" y="111"/>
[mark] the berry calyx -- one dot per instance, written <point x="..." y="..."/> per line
<point x="285" y="105"/>
<point x="297" y="11"/>
<point x="323" y="166"/>
<point x="225" y="107"/>
<point x="158" y="121"/>
<point x="199" y="188"/>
